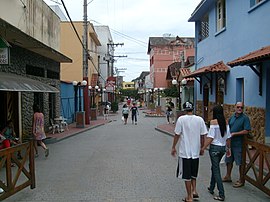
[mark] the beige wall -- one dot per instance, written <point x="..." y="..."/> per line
<point x="72" y="47"/>
<point x="35" y="19"/>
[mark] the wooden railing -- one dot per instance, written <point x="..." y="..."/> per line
<point x="256" y="165"/>
<point x="15" y="175"/>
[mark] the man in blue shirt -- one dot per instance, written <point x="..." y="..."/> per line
<point x="239" y="126"/>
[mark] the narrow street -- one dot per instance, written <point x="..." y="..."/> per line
<point x="117" y="162"/>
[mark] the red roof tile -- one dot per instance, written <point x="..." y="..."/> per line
<point x="255" y="56"/>
<point x="184" y="72"/>
<point x="218" y="67"/>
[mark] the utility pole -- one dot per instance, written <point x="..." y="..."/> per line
<point x="85" y="63"/>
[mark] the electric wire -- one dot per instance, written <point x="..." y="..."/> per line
<point x="76" y="32"/>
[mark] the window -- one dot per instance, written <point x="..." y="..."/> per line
<point x="239" y="90"/>
<point x="220" y="91"/>
<point x="221" y="15"/>
<point x="254" y="2"/>
<point x="204" y="28"/>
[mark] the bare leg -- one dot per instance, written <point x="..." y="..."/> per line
<point x="229" y="170"/>
<point x="35" y="147"/>
<point x="188" y="189"/>
<point x="193" y="184"/>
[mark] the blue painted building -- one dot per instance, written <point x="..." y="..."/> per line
<point x="70" y="101"/>
<point x="226" y="30"/>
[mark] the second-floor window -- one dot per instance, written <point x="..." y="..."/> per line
<point x="221" y="15"/>
<point x="254" y="2"/>
<point x="204" y="28"/>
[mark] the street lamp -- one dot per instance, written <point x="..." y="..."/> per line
<point x="175" y="82"/>
<point x="77" y="86"/>
<point x="93" y="89"/>
<point x="158" y="90"/>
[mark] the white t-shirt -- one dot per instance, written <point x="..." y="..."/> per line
<point x="214" y="133"/>
<point x="190" y="128"/>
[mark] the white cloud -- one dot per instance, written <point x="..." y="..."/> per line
<point x="139" y="19"/>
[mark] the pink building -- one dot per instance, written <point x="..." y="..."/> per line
<point x="164" y="51"/>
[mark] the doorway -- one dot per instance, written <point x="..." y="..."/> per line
<point x="205" y="102"/>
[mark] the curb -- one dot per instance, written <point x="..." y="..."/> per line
<point x="53" y="140"/>
<point x="164" y="131"/>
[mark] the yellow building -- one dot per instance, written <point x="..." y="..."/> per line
<point x="72" y="47"/>
<point x="128" y="85"/>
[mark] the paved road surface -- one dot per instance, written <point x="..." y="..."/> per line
<point x="119" y="163"/>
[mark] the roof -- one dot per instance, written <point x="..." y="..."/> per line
<point x="218" y="67"/>
<point x="165" y="41"/>
<point x="15" y="36"/>
<point x="255" y="56"/>
<point x="184" y="72"/>
<point x="19" y="83"/>
<point x="202" y="8"/>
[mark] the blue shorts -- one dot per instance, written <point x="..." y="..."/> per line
<point x="236" y="156"/>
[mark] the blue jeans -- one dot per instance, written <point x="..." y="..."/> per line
<point x="216" y="153"/>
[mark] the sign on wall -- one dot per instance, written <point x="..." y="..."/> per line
<point x="4" y="52"/>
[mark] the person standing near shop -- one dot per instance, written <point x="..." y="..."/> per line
<point x="239" y="126"/>
<point x="190" y="130"/>
<point x="38" y="130"/>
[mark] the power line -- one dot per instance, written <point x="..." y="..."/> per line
<point x="79" y="36"/>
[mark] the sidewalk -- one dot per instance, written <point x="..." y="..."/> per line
<point x="166" y="128"/>
<point x="73" y="130"/>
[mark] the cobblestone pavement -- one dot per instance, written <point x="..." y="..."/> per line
<point x="119" y="163"/>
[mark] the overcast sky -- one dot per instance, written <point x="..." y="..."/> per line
<point x="132" y="22"/>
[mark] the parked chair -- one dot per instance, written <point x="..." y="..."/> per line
<point x="54" y="126"/>
<point x="64" y="123"/>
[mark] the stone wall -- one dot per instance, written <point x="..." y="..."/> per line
<point x="255" y="114"/>
<point x="19" y="59"/>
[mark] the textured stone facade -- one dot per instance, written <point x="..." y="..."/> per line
<point x="20" y="58"/>
<point x="255" y="114"/>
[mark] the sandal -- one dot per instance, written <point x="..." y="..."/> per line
<point x="184" y="199"/>
<point x="219" y="198"/>
<point x="196" y="196"/>
<point x="238" y="184"/>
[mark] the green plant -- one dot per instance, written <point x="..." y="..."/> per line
<point x="114" y="106"/>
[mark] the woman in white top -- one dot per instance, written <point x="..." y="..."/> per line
<point x="219" y="139"/>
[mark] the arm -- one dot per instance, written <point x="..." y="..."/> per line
<point x="242" y="132"/>
<point x="175" y="141"/>
<point x="207" y="142"/>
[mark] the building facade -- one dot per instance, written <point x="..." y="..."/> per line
<point x="164" y="51"/>
<point x="31" y="73"/>
<point x="226" y="30"/>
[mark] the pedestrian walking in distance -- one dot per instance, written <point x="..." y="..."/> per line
<point x="38" y="130"/>
<point x="125" y="112"/>
<point x="239" y="126"/>
<point x="134" y="113"/>
<point x="218" y="138"/>
<point x="189" y="131"/>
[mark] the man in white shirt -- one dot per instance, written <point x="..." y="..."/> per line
<point x="190" y="129"/>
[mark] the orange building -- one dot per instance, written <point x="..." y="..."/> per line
<point x="164" y="51"/>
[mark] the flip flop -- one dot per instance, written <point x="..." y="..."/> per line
<point x="195" y="195"/>
<point x="238" y="184"/>
<point x="184" y="199"/>
<point x="219" y="198"/>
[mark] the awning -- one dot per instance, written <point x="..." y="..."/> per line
<point x="218" y="67"/>
<point x="14" y="82"/>
<point x="253" y="57"/>
<point x="254" y="60"/>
